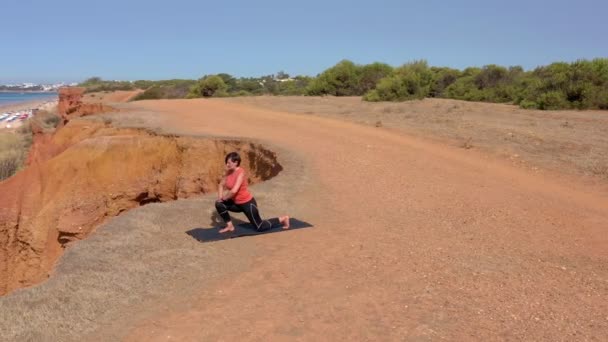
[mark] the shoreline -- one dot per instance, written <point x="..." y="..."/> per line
<point x="29" y="91"/>
<point x="26" y="105"/>
<point x="34" y="105"/>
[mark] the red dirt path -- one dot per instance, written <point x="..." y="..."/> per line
<point x="412" y="240"/>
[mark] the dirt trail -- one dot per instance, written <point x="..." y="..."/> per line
<point x="412" y="240"/>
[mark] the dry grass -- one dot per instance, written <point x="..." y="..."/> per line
<point x="569" y="141"/>
<point x="47" y="120"/>
<point x="13" y="150"/>
<point x="15" y="144"/>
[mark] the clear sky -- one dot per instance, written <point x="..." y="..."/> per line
<point x="67" y="40"/>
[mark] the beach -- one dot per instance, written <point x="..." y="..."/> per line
<point x="47" y="105"/>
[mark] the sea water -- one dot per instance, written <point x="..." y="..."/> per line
<point x="12" y="98"/>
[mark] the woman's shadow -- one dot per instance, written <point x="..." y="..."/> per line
<point x="242" y="228"/>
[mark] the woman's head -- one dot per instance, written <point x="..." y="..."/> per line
<point x="234" y="158"/>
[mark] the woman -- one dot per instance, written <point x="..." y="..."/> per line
<point x="238" y="198"/>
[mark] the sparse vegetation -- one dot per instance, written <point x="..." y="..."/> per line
<point x="13" y="151"/>
<point x="46" y="120"/>
<point x="14" y="146"/>
<point x="579" y="85"/>
<point x="168" y="89"/>
<point x="96" y="84"/>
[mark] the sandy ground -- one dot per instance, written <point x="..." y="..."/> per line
<point x="412" y="240"/>
<point x="567" y="141"/>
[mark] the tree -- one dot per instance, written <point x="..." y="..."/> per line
<point x="231" y="82"/>
<point x="340" y="80"/>
<point x="370" y="75"/>
<point x="408" y="82"/>
<point x="209" y="86"/>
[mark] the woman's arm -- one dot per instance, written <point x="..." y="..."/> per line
<point x="220" y="188"/>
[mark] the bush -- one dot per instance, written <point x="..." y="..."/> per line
<point x="411" y="81"/>
<point x="389" y="89"/>
<point x="143" y="84"/>
<point x="9" y="164"/>
<point x="339" y="80"/>
<point x="370" y="75"/>
<point x="167" y="89"/>
<point x="441" y="79"/>
<point x="582" y="84"/>
<point x="242" y="93"/>
<point x="347" y="79"/>
<point x="552" y="100"/>
<point x="46" y="120"/>
<point x="526" y="104"/>
<point x="13" y="150"/>
<point x="96" y="84"/>
<point x="152" y="93"/>
<point x="210" y="86"/>
<point x="250" y="85"/>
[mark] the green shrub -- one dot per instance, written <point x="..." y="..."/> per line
<point x="143" y="84"/>
<point x="526" y="104"/>
<point x="152" y="93"/>
<point x="410" y="81"/>
<point x="464" y="88"/>
<point x="242" y="93"/>
<point x="210" y="86"/>
<point x="372" y="96"/>
<point x="339" y="80"/>
<point x="347" y="79"/>
<point x="370" y="75"/>
<point x="581" y="84"/>
<point x="96" y="84"/>
<point x="441" y="79"/>
<point x="552" y="100"/>
<point x="166" y="89"/>
<point x="250" y="85"/>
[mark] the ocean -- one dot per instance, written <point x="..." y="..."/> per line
<point x="12" y="98"/>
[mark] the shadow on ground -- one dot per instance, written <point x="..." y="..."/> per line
<point x="241" y="229"/>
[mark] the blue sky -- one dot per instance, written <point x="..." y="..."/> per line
<point x="65" y="40"/>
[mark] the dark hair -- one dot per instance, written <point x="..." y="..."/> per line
<point x="234" y="157"/>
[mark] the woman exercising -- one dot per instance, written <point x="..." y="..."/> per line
<point x="234" y="196"/>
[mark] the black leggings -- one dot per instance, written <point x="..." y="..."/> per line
<point x="251" y="211"/>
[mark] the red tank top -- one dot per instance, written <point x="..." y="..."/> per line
<point x="242" y="195"/>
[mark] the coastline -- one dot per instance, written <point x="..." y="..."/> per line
<point x="28" y="91"/>
<point x="47" y="105"/>
<point x="26" y="105"/>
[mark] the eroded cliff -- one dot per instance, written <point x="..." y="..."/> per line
<point x="86" y="172"/>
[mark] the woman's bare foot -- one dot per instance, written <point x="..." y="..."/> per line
<point x="228" y="228"/>
<point x="285" y="221"/>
